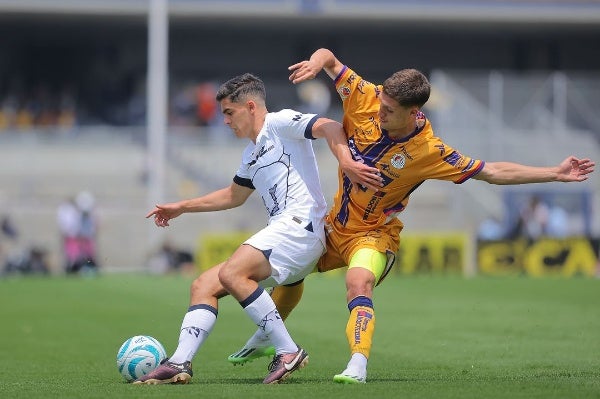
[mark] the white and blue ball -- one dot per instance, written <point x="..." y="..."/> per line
<point x="138" y="356"/>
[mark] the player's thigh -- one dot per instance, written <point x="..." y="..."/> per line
<point x="330" y="260"/>
<point x="246" y="262"/>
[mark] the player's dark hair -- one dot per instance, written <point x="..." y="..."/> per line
<point x="240" y="87"/>
<point x="409" y="87"/>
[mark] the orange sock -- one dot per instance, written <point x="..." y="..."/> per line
<point x="361" y="325"/>
<point x="286" y="297"/>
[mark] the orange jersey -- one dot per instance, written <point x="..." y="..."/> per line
<point x="404" y="164"/>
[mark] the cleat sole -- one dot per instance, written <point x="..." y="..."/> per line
<point x="346" y="379"/>
<point x="181" y="378"/>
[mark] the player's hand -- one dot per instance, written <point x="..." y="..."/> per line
<point x="303" y="71"/>
<point x="574" y="169"/>
<point x="163" y="213"/>
<point x="362" y="175"/>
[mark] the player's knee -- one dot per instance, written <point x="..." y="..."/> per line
<point x="359" y="288"/>
<point x="227" y="276"/>
<point x="360" y="282"/>
<point x="204" y="285"/>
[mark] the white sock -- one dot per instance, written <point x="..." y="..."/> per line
<point x="261" y="309"/>
<point x="357" y="365"/>
<point x="258" y="340"/>
<point x="197" y="323"/>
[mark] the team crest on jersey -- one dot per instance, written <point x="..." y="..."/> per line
<point x="398" y="161"/>
<point x="344" y="91"/>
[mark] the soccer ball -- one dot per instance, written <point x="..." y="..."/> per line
<point x="138" y="356"/>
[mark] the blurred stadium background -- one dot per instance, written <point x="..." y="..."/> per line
<point x="513" y="80"/>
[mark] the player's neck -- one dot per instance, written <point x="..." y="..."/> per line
<point x="260" y="122"/>
<point x="398" y="134"/>
<point x="405" y="131"/>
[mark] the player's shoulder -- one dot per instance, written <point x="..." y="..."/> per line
<point x="284" y="113"/>
<point x="282" y="117"/>
<point x="427" y="140"/>
<point x="353" y="88"/>
<point x="290" y="117"/>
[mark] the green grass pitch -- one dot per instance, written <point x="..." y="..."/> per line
<point x="436" y="337"/>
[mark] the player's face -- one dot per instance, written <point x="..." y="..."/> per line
<point x="395" y="118"/>
<point x="238" y="117"/>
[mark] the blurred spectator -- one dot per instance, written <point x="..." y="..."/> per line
<point x="169" y="259"/>
<point x="32" y="261"/>
<point x="206" y="104"/>
<point x="78" y="225"/>
<point x="558" y="222"/>
<point x="533" y="219"/>
<point x="183" y="107"/>
<point x="67" y="218"/>
<point x="87" y="234"/>
<point x="8" y="231"/>
<point x="315" y="97"/>
<point x="8" y="114"/>
<point x="195" y="105"/>
<point x="491" y="229"/>
<point x="24" y="119"/>
<point x="37" y="107"/>
<point x="67" y="115"/>
<point x="8" y="227"/>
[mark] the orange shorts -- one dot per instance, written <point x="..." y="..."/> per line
<point x="343" y="243"/>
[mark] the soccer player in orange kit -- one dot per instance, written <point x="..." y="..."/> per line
<point x="387" y="130"/>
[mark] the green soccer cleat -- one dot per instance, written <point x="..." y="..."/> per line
<point x="348" y="378"/>
<point x="246" y="355"/>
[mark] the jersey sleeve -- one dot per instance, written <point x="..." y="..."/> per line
<point x="356" y="93"/>
<point x="446" y="163"/>
<point x="294" y="124"/>
<point x="242" y="176"/>
<point x="243" y="181"/>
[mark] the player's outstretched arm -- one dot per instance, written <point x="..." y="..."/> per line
<point x="165" y="212"/>
<point x="320" y="59"/>
<point x="572" y="169"/>
<point x="226" y="198"/>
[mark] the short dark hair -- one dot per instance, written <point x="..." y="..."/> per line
<point x="408" y="87"/>
<point x="240" y="87"/>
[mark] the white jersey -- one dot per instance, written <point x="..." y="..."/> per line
<point x="282" y="167"/>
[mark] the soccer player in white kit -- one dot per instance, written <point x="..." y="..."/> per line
<point x="280" y="164"/>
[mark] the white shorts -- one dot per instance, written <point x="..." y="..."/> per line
<point x="292" y="250"/>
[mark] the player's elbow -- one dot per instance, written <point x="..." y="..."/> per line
<point x="325" y="127"/>
<point x="489" y="174"/>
